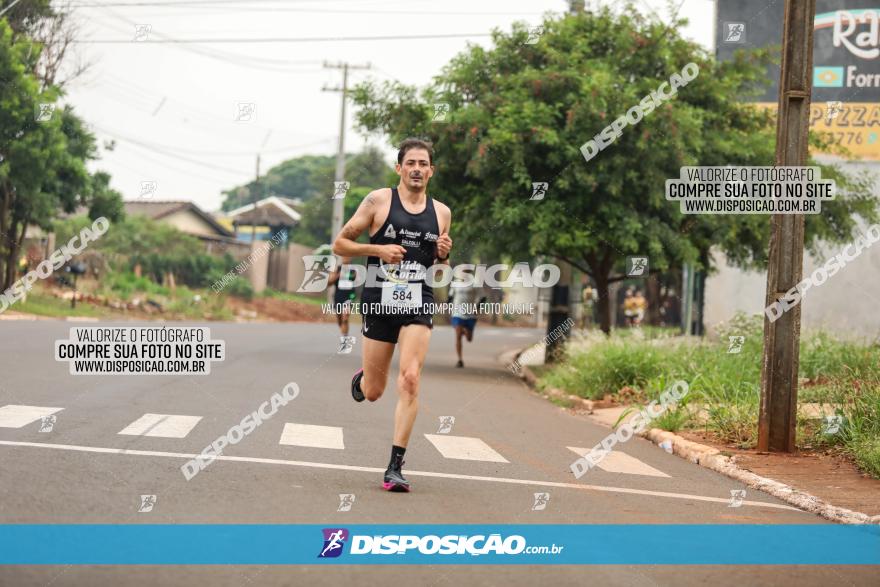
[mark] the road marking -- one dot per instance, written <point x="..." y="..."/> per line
<point x="620" y="462"/>
<point x="602" y="488"/>
<point x="16" y="416"/>
<point x="312" y="436"/>
<point x="161" y="425"/>
<point x="464" y="448"/>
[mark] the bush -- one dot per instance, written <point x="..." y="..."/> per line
<point x="124" y="284"/>
<point x="193" y="269"/>
<point x="240" y="288"/>
<point x="157" y="247"/>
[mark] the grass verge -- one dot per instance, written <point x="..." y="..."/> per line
<point x="724" y="379"/>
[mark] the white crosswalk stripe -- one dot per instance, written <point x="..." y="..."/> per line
<point x="18" y="416"/>
<point x="620" y="462"/>
<point x="464" y="448"/>
<point x="161" y="425"/>
<point x="332" y="437"/>
<point x="312" y="436"/>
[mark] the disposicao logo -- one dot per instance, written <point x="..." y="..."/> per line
<point x="334" y="541"/>
<point x="828" y="77"/>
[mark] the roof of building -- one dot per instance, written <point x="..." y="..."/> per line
<point x="158" y="210"/>
<point x="271" y="211"/>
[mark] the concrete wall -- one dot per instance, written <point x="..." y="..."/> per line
<point x="259" y="268"/>
<point x="847" y="304"/>
<point x="296" y="270"/>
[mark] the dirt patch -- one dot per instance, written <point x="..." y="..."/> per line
<point x="144" y="307"/>
<point x="828" y="475"/>
<point x="276" y="310"/>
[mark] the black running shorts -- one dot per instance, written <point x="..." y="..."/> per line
<point x="386" y="327"/>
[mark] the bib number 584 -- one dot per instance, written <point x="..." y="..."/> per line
<point x="402" y="294"/>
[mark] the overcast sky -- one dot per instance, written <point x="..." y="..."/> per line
<point x="171" y="107"/>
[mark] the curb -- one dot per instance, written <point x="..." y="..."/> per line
<point x="526" y="374"/>
<point x="711" y="458"/>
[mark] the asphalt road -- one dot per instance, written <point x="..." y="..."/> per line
<point x="79" y="473"/>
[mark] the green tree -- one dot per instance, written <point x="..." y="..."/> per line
<point x="27" y="17"/>
<point x="43" y="154"/>
<point x="310" y="176"/>
<point x="520" y="112"/>
<point x="314" y="227"/>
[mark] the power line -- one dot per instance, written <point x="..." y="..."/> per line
<point x="159" y="146"/>
<point x="8" y="8"/>
<point x="181" y="110"/>
<point x="158" y="151"/>
<point x="283" y="39"/>
<point x="247" y="61"/>
<point x="250" y="8"/>
<point x="176" y="3"/>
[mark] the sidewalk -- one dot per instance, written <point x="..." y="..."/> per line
<point x="823" y="483"/>
<point x="830" y="478"/>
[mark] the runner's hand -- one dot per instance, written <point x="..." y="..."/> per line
<point x="444" y="245"/>
<point x="391" y="253"/>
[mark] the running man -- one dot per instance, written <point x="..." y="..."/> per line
<point x="409" y="232"/>
<point x="344" y="295"/>
<point x="464" y="318"/>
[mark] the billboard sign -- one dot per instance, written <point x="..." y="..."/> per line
<point x="846" y="63"/>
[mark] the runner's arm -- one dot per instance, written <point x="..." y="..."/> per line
<point x="445" y="218"/>
<point x="345" y="244"/>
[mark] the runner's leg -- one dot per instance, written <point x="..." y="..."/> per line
<point x="377" y="362"/>
<point x="459" y="331"/>
<point x="343" y="325"/>
<point x="413" y="343"/>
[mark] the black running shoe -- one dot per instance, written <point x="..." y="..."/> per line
<point x="459" y="364"/>
<point x="356" y="392"/>
<point x="394" y="480"/>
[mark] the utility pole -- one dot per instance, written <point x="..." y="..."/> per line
<point x="254" y="197"/>
<point x="338" y="207"/>
<point x="777" y="418"/>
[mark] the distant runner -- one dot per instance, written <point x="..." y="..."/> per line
<point x="344" y="296"/>
<point x="464" y="319"/>
<point x="409" y="232"/>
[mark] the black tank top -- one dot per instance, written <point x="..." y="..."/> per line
<point x="418" y="234"/>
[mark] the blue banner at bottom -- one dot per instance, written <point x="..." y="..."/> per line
<point x="531" y="544"/>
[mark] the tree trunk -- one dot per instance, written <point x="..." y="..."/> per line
<point x="652" y="293"/>
<point x="19" y="247"/>
<point x="603" y="304"/>
<point x="12" y="257"/>
<point x="4" y="237"/>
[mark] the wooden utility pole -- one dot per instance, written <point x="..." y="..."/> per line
<point x="777" y="419"/>
<point x="338" y="207"/>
